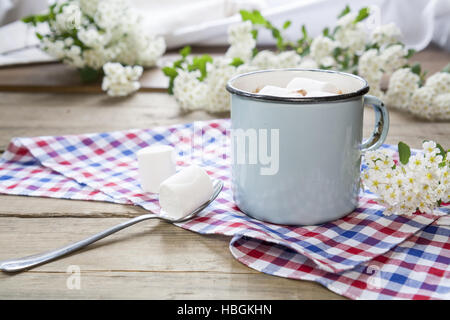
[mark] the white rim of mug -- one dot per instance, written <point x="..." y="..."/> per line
<point x="297" y="100"/>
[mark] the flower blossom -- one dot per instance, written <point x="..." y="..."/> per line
<point x="120" y="80"/>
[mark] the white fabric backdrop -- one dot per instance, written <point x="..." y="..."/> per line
<point x="184" y="22"/>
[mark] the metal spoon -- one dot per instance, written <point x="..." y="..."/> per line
<point x="16" y="265"/>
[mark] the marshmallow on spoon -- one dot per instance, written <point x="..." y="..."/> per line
<point x="155" y="164"/>
<point x="184" y="192"/>
<point x="311" y="85"/>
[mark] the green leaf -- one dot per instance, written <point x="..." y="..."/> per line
<point x="442" y="151"/>
<point x="276" y="33"/>
<point x="337" y="52"/>
<point x="41" y="18"/>
<point x="52" y="15"/>
<point x="416" y="69"/>
<point x="372" y="46"/>
<point x="362" y="14"/>
<point x="404" y="152"/>
<point x="254" y="17"/>
<point x="344" y="12"/>
<point x="410" y="53"/>
<point x="304" y="32"/>
<point x="179" y="63"/>
<point x="254" y="52"/>
<point x="287" y="24"/>
<point x="326" y="32"/>
<point x="199" y="63"/>
<point x="170" y="72"/>
<point x="446" y="68"/>
<point x="185" y="51"/>
<point x="28" y="19"/>
<point x="255" y="34"/>
<point x="280" y="44"/>
<point x="39" y="36"/>
<point x="89" y="74"/>
<point x="236" y="62"/>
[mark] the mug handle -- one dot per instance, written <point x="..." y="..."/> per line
<point x="381" y="124"/>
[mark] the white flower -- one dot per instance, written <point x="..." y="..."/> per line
<point x="441" y="106"/>
<point x="218" y="99"/>
<point x="386" y="34"/>
<point x="322" y="47"/>
<point x="308" y="63"/>
<point x="95" y="58"/>
<point x="402" y="85"/>
<point x="54" y="48"/>
<point x="393" y="58"/>
<point x="240" y="32"/>
<point x="190" y="93"/>
<point x="69" y="18"/>
<point x="350" y="35"/>
<point x="421" y="102"/>
<point x="73" y="57"/>
<point x="120" y="80"/>
<point x="264" y="59"/>
<point x="92" y="38"/>
<point x="430" y="148"/>
<point x="89" y="6"/>
<point x="287" y="59"/>
<point x="107" y="31"/>
<point x="369" y="68"/>
<point x="354" y="39"/>
<point x="111" y="13"/>
<point x="439" y="82"/>
<point x="404" y="189"/>
<point x="267" y="59"/>
<point x="241" y="41"/>
<point x="347" y="21"/>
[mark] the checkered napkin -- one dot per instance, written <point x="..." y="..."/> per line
<point x="338" y="254"/>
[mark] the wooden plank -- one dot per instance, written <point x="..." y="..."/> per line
<point x="160" y="285"/>
<point x="21" y="206"/>
<point x="25" y="114"/>
<point x="57" y="114"/>
<point x="150" y="260"/>
<point x="61" y="78"/>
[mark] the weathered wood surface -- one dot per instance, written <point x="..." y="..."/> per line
<point x="81" y="113"/>
<point x="152" y="259"/>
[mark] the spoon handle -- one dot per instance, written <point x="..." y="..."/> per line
<point x="15" y="265"/>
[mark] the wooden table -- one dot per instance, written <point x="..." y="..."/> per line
<point x="151" y="260"/>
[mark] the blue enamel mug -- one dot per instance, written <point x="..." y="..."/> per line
<point x="296" y="160"/>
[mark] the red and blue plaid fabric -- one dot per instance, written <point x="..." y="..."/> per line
<point x="363" y="255"/>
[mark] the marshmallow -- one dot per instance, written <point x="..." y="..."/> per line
<point x="155" y="164"/>
<point x="310" y="85"/>
<point x="319" y="94"/>
<point x="184" y="192"/>
<point x="276" y="91"/>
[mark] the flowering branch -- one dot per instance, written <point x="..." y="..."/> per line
<point x="414" y="183"/>
<point x="346" y="47"/>
<point x="88" y="34"/>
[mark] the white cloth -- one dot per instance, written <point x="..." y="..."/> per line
<point x="184" y="22"/>
<point x="421" y="21"/>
